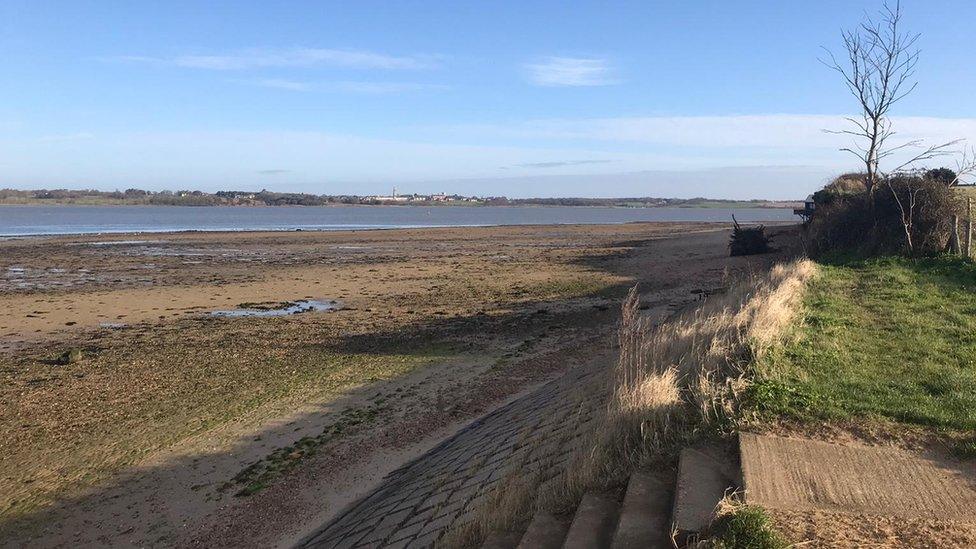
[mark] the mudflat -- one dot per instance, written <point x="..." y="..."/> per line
<point x="174" y="425"/>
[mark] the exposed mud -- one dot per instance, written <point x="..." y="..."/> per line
<point x="136" y="443"/>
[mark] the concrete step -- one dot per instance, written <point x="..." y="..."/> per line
<point x="501" y="540"/>
<point x="594" y="522"/>
<point x="644" y="514"/>
<point x="704" y="477"/>
<point x="546" y="531"/>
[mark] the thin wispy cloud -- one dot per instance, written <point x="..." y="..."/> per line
<point x="273" y="172"/>
<point x="561" y="163"/>
<point x="293" y="57"/>
<point x="66" y="137"/>
<point x="570" y="72"/>
<point x="380" y="88"/>
<point x="281" y="84"/>
<point x="346" y="86"/>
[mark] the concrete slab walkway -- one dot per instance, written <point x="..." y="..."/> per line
<point x="800" y="474"/>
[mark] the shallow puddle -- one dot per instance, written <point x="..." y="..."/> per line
<point x="122" y="242"/>
<point x="283" y="309"/>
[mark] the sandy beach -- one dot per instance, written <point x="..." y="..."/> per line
<point x="178" y="427"/>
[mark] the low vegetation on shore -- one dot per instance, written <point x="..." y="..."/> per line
<point x="913" y="214"/>
<point x="739" y="526"/>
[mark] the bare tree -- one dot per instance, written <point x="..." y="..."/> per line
<point x="878" y="71"/>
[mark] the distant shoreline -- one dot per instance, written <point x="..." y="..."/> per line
<point x="716" y="204"/>
<point x="139" y="197"/>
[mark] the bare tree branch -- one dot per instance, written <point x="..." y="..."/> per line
<point x="935" y="151"/>
<point x="965" y="166"/>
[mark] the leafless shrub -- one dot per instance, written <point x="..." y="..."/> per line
<point x="914" y="216"/>
<point x="878" y="68"/>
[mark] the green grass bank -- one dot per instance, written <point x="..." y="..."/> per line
<point x="891" y="338"/>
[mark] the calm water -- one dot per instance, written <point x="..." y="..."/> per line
<point x="38" y="220"/>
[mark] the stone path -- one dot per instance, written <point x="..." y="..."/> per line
<point x="416" y="504"/>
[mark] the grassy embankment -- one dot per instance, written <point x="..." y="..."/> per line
<point x="890" y="339"/>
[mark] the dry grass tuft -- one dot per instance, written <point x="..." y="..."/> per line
<point x="508" y="507"/>
<point x="709" y="347"/>
<point x="739" y="525"/>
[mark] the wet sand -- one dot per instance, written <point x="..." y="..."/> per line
<point x="140" y="442"/>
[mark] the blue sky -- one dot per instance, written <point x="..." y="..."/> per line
<point x="723" y="99"/>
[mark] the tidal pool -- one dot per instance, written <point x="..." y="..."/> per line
<point x="279" y="309"/>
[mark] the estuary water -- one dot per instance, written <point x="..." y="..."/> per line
<point x="51" y="220"/>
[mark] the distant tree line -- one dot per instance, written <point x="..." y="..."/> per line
<point x="173" y="198"/>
